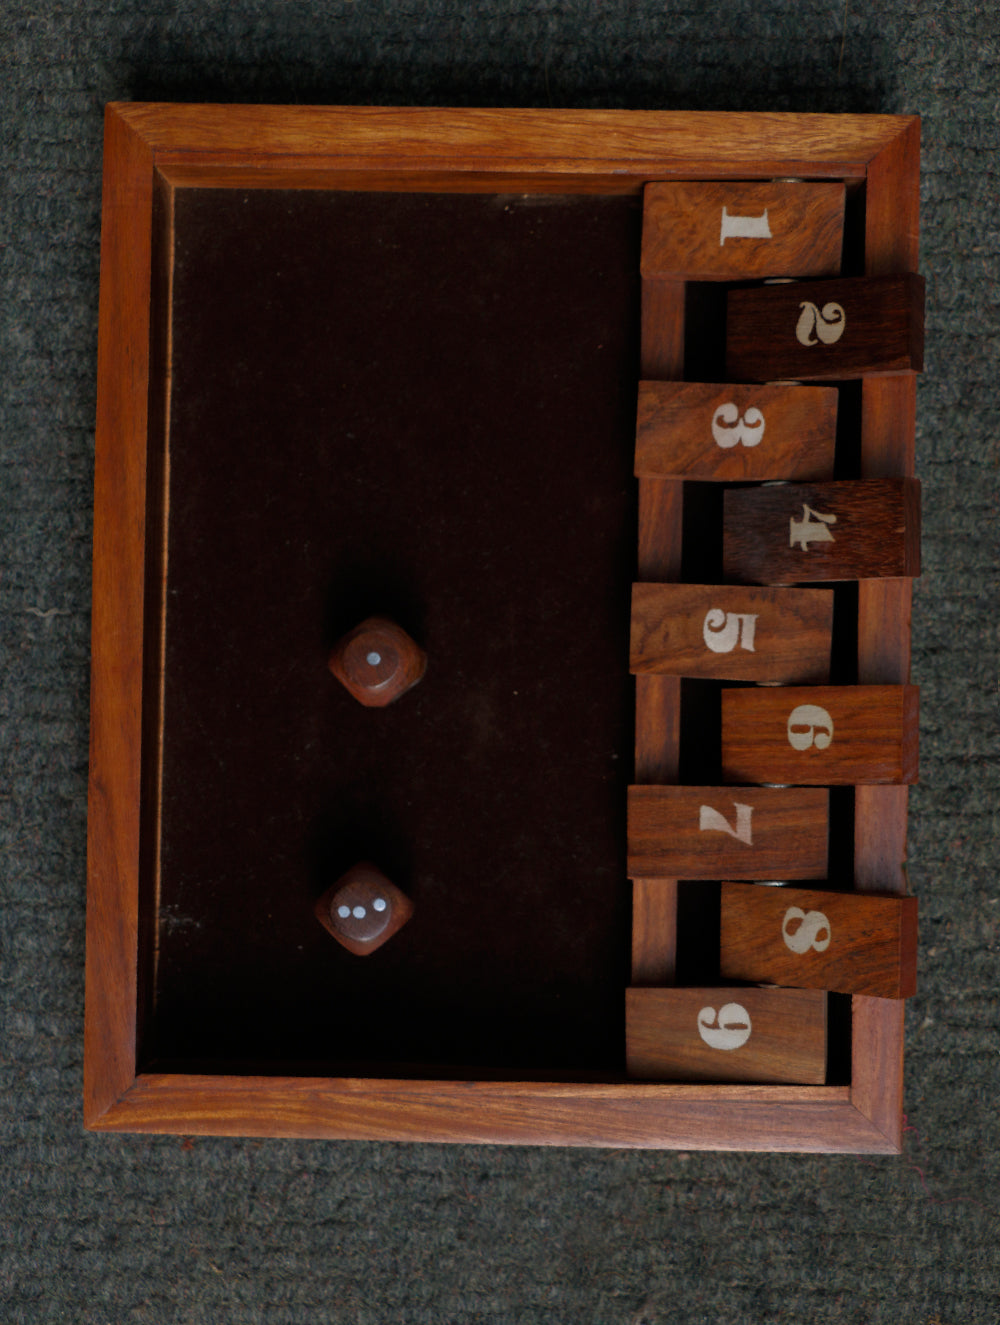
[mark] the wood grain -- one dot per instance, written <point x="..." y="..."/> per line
<point x="792" y="436"/>
<point x="804" y="532"/>
<point x="874" y="735"/>
<point x="654" y="931"/>
<point x="261" y="147"/>
<point x="113" y="823"/>
<point x="888" y="425"/>
<point x="661" y="500"/>
<point x="636" y="1114"/>
<point x="892" y="216"/>
<point x="790" y="641"/>
<point x="688" y="230"/>
<point x="657" y="728"/>
<point x="787" y="1039"/>
<point x="880" y="838"/>
<point x="892" y="203"/>
<point x="877" y="322"/>
<point x="860" y="943"/>
<point x="647" y="145"/>
<point x="888" y="605"/>
<point x="658" y="697"/>
<point x="877" y="1026"/>
<point x="670" y="835"/>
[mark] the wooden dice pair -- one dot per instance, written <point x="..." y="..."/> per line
<point x="376" y="662"/>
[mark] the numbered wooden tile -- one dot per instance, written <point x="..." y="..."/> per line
<point x="811" y="331"/>
<point x="820" y="735"/>
<point x="852" y="943"/>
<point x="727" y="1034"/>
<point x="731" y="633"/>
<point x="789" y="533"/>
<point x="727" y="832"/>
<point x="719" y="231"/>
<point x="700" y="430"/>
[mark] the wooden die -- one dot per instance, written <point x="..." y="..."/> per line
<point x="363" y="909"/>
<point x="377" y="662"/>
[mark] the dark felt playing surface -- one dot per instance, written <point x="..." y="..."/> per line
<point x="420" y="406"/>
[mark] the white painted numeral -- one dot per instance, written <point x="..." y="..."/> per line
<point x="820" y="326"/>
<point x="722" y="631"/>
<point x="812" y="528"/>
<point x="711" y="821"/>
<point x="809" y="725"/>
<point x="732" y="1029"/>
<point x="731" y="429"/>
<point x="807" y="928"/>
<point x="743" y="227"/>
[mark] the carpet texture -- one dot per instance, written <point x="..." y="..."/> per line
<point x="114" y="1230"/>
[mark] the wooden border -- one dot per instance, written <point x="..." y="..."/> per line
<point x="588" y="151"/>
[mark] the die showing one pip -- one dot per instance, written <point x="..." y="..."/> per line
<point x="363" y="909"/>
<point x="377" y="662"/>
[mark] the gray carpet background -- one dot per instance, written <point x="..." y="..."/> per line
<point x="117" y="1229"/>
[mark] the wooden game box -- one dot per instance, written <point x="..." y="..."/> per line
<point x="358" y="360"/>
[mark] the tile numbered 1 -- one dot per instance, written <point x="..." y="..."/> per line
<point x="851" y="943"/>
<point x="726" y="1034"/>
<point x="731" y="633"/>
<point x="728" y="832"/>
<point x="790" y="533"/>
<point x="820" y="735"/>
<point x="719" y="231"/>
<point x="701" y="430"/>
<point x="826" y="330"/>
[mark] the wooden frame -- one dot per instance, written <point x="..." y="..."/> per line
<point x="152" y="150"/>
